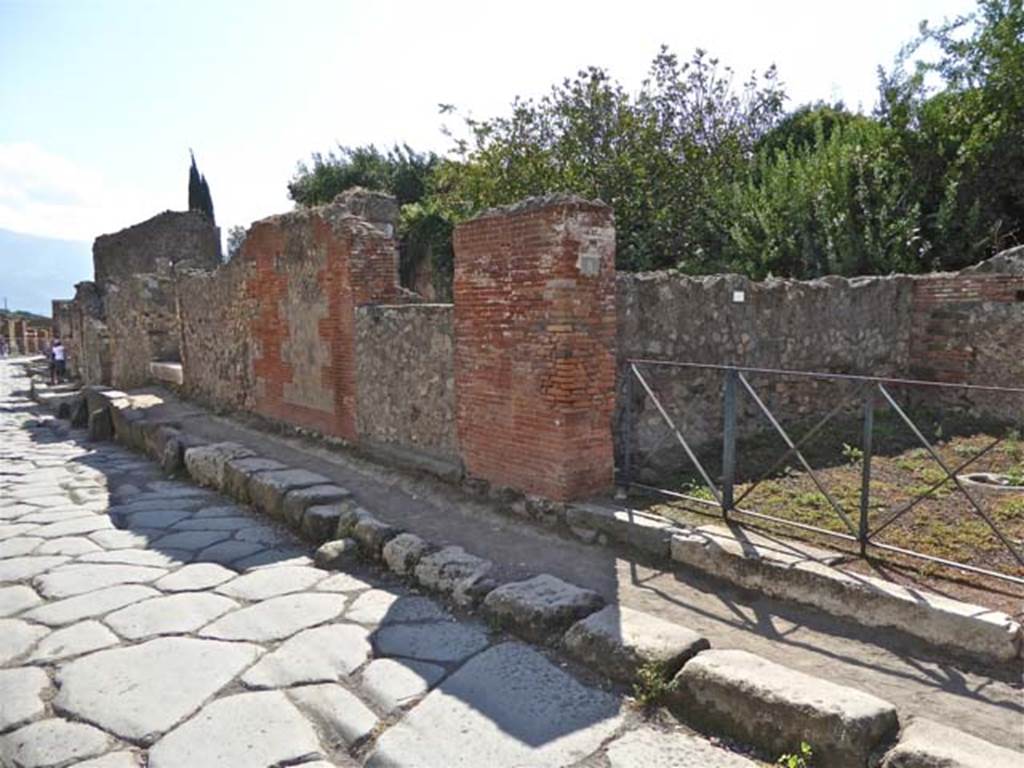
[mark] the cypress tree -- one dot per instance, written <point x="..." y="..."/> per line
<point x="199" y="198"/>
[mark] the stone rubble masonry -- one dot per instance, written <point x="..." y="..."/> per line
<point x="535" y="346"/>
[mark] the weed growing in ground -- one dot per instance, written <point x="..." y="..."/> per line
<point x="852" y="453"/>
<point x="801" y="759"/>
<point x="652" y="686"/>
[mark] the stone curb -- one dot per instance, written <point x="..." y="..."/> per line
<point x="803" y="574"/>
<point x="614" y="652"/>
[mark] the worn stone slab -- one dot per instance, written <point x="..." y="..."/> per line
<point x="403" y="552"/>
<point x="118" y="539"/>
<point x="158" y="518"/>
<point x="320" y="522"/>
<point x="775" y="708"/>
<point x="268" y="489"/>
<point x="243" y="731"/>
<point x="113" y="760"/>
<point x="18" y="568"/>
<point x="322" y="654"/>
<point x="508" y="706"/>
<point x="381" y="606"/>
<point x="236" y="523"/>
<point x="343" y="582"/>
<point x="205" y="463"/>
<point x="71" y="580"/>
<point x="17" y="637"/>
<point x="618" y="641"/>
<point x="229" y="552"/>
<point x="791" y="572"/>
<point x="152" y="558"/>
<point x="260" y="585"/>
<point x="926" y="744"/>
<point x="195" y="577"/>
<point x="298" y="501"/>
<point x="97" y="603"/>
<point x="173" y="614"/>
<point x="372" y="534"/>
<point x="51" y="742"/>
<point x="74" y="527"/>
<point x="443" y="642"/>
<point x="542" y="608"/>
<point x="22" y="545"/>
<point x="17" y="599"/>
<point x="453" y="571"/>
<point x="238" y="471"/>
<point x="650" y="747"/>
<point x="84" y="637"/>
<point x="336" y="555"/>
<point x="342" y="718"/>
<point x="22" y="691"/>
<point x="191" y="541"/>
<point x="277" y="618"/>
<point x="394" y="683"/>
<point x="141" y="691"/>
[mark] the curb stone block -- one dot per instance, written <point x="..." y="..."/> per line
<point x="320" y="521"/>
<point x="205" y="463"/>
<point x="927" y="744"/>
<point x="649" y="533"/>
<point x="336" y="555"/>
<point x="268" y="489"/>
<point x="542" y="608"/>
<point x="298" y="501"/>
<point x="775" y="708"/>
<point x="350" y="515"/>
<point x="373" y="534"/>
<point x="403" y="552"/>
<point x="445" y="570"/>
<point x="238" y="471"/>
<point x="619" y="641"/>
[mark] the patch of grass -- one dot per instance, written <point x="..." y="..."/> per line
<point x="800" y="759"/>
<point x="653" y="686"/>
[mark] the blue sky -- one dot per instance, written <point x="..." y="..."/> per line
<point x="101" y="99"/>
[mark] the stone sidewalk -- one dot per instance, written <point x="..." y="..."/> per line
<point x="149" y="622"/>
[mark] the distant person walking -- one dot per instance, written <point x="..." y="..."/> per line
<point x="58" y="362"/>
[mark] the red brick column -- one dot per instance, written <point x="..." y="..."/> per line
<point x="535" y="346"/>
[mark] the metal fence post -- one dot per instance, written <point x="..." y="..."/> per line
<point x="627" y="457"/>
<point x="728" y="440"/>
<point x="865" y="483"/>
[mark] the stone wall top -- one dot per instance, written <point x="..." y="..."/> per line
<point x="155" y="244"/>
<point x="540" y="202"/>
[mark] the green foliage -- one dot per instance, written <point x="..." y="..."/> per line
<point x="199" y="198"/>
<point x="852" y="453"/>
<point x="653" y="685"/>
<point x="801" y="759"/>
<point x="236" y="237"/>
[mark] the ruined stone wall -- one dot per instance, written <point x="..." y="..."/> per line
<point x="142" y="324"/>
<point x="406" y="378"/>
<point x="89" y="350"/>
<point x="154" y="245"/>
<point x="535" y="346"/>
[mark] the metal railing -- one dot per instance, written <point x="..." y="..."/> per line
<point x="870" y="393"/>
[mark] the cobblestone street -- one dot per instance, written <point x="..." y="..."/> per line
<point x="145" y="621"/>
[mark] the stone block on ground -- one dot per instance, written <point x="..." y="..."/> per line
<point x="372" y="534"/>
<point x="238" y="471"/>
<point x="298" y="501"/>
<point x="455" y="572"/>
<point x="642" y="530"/>
<point x="775" y="708"/>
<point x="403" y="552"/>
<point x="351" y="515"/>
<point x="650" y="747"/>
<point x="337" y="555"/>
<point x="268" y="489"/>
<point x="320" y="523"/>
<point x="618" y="641"/>
<point x="927" y="744"/>
<point x="205" y="463"/>
<point x="542" y="608"/>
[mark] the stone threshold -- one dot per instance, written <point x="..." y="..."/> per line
<point x="723" y="692"/>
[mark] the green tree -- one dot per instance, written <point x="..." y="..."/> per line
<point x="199" y="198"/>
<point x="400" y="171"/>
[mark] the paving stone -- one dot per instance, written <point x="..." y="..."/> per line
<point x="194" y="577"/>
<point x="55" y="515"/>
<point x="18" y="529"/>
<point x="452" y="571"/>
<point x="649" y="747"/>
<point x="113" y="760"/>
<point x="51" y="742"/>
<point x="444" y="642"/>
<point x="141" y="691"/>
<point x="18" y="568"/>
<point x="17" y="599"/>
<point x="118" y="539"/>
<point x="157" y="518"/>
<point x="22" y="698"/>
<point x="323" y="654"/>
<point x="274" y="557"/>
<point x="72" y="580"/>
<point x="236" y="523"/>
<point x="97" y="603"/>
<point x="205" y="463"/>
<point x="149" y="557"/>
<point x="343" y="582"/>
<point x="508" y="706"/>
<point x="174" y="614"/>
<point x="84" y="637"/>
<point x="229" y="552"/>
<point x="319" y="523"/>
<point x="542" y="608"/>
<point x="341" y="716"/>
<point x="191" y="541"/>
<point x="238" y="471"/>
<point x="772" y="707"/>
<point x="16" y="637"/>
<point x="298" y="501"/>
<point x="259" y="585"/>
<point x="68" y="545"/>
<point x="619" y="641"/>
<point x="22" y="545"/>
<point x="277" y="618"/>
<point x="337" y="554"/>
<point x="262" y="533"/>
<point x="268" y="489"/>
<point x="74" y="527"/>
<point x="227" y="510"/>
<point x="403" y="552"/>
<point x="927" y="744"/>
<point x="380" y="606"/>
<point x="394" y="683"/>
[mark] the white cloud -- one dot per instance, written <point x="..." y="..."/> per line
<point x="45" y="194"/>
